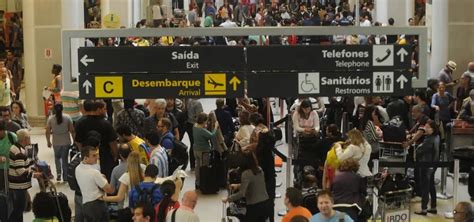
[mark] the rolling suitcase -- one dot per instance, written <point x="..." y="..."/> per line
<point x="5" y="203"/>
<point x="63" y="211"/>
<point x="208" y="183"/>
<point x="225" y="217"/>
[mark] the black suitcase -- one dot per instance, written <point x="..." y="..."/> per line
<point x="208" y="183"/>
<point x="63" y="211"/>
<point x="310" y="200"/>
<point x="221" y="170"/>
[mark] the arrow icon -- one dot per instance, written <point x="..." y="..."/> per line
<point x="87" y="85"/>
<point x="84" y="60"/>
<point x="234" y="81"/>
<point x="402" y="53"/>
<point x="402" y="80"/>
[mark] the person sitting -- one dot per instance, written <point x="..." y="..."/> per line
<point x="42" y="208"/>
<point x="326" y="212"/>
<point x="293" y="201"/>
<point x="466" y="113"/>
<point x="353" y="194"/>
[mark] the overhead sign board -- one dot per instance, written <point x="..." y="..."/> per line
<point x="329" y="84"/>
<point x="161" y="85"/>
<point x="329" y="58"/>
<point x="161" y="59"/>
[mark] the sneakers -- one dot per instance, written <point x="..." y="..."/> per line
<point x="58" y="179"/>
<point x="432" y="211"/>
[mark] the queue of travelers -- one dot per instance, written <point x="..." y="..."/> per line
<point x="120" y="162"/>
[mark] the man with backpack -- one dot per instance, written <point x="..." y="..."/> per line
<point x="148" y="191"/>
<point x="176" y="149"/>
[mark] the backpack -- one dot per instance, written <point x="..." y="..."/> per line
<point x="142" y="195"/>
<point x="11" y="139"/>
<point x="71" y="172"/>
<point x="179" y="154"/>
<point x="394" y="130"/>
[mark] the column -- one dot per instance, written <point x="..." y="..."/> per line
<point x="123" y="8"/>
<point x="381" y="11"/>
<point x="42" y="29"/>
<point x="439" y="36"/>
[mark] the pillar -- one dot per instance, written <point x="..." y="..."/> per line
<point x="42" y="29"/>
<point x="439" y="36"/>
<point x="123" y="8"/>
<point x="400" y="11"/>
<point x="381" y="11"/>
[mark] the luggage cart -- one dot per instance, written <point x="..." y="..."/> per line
<point x="393" y="152"/>
<point x="394" y="206"/>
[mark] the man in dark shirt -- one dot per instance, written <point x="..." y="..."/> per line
<point x="398" y="107"/>
<point x="108" y="151"/>
<point x="225" y="122"/>
<point x="159" y="110"/>
<point x="11" y="125"/>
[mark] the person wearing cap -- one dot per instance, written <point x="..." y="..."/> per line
<point x="467" y="108"/>
<point x="463" y="91"/>
<point x="446" y="76"/>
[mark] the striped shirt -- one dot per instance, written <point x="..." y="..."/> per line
<point x="70" y="100"/>
<point x="19" y="173"/>
<point x="159" y="158"/>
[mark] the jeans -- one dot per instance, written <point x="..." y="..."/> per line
<point x="61" y="154"/>
<point x="18" y="198"/>
<point x="95" y="211"/>
<point x="428" y="189"/>
<point x="79" y="216"/>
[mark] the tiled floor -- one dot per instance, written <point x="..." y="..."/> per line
<point x="209" y="207"/>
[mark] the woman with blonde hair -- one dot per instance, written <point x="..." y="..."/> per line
<point x="128" y="180"/>
<point x="358" y="149"/>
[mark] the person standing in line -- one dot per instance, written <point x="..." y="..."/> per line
<point x="293" y="201"/>
<point x="61" y="127"/>
<point x="193" y="108"/>
<point x="19" y="114"/>
<point x="185" y="213"/>
<point x="93" y="185"/>
<point x="446" y="76"/>
<point x="326" y="211"/>
<point x="19" y="175"/>
<point x="202" y="138"/>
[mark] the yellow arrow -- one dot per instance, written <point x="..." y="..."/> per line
<point x="234" y="81"/>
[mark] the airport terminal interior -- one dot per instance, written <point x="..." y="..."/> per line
<point x="236" y="110"/>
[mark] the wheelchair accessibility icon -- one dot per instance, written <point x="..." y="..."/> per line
<point x="308" y="83"/>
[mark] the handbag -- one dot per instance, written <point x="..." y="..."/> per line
<point x="366" y="211"/>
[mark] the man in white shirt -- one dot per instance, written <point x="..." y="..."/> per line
<point x="93" y="185"/>
<point x="185" y="213"/>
